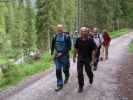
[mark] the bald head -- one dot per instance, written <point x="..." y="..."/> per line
<point x="95" y="30"/>
<point x="83" y="29"/>
<point x="60" y="28"/>
<point x="83" y="32"/>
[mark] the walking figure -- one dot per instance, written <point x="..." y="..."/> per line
<point x="61" y="45"/>
<point x="85" y="52"/>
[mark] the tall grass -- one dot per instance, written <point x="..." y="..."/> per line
<point x="130" y="47"/>
<point x="16" y="73"/>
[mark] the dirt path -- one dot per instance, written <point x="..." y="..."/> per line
<point x="106" y="82"/>
<point x="126" y="78"/>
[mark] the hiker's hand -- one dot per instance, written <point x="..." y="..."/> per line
<point x="59" y="54"/>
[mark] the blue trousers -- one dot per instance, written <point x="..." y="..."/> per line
<point x="61" y="64"/>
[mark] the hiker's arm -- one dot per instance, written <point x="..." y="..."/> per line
<point x="52" y="46"/>
<point x="69" y="43"/>
<point x="75" y="51"/>
<point x="93" y="56"/>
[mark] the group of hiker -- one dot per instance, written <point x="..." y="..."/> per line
<point x="88" y="45"/>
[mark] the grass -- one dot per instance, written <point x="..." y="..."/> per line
<point x="115" y="34"/>
<point x="16" y="73"/>
<point x="3" y="60"/>
<point x="130" y="47"/>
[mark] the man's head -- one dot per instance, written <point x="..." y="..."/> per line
<point x="95" y="30"/>
<point x="83" y="32"/>
<point x="104" y="30"/>
<point x="60" y="28"/>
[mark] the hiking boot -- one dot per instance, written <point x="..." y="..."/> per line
<point x="80" y="90"/>
<point x="59" y="88"/>
<point x="95" y="68"/>
<point x="101" y="58"/>
<point x="91" y="81"/>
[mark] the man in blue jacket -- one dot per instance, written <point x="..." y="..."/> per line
<point x="61" y="45"/>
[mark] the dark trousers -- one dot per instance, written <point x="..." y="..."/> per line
<point x="97" y="56"/>
<point x="80" y="67"/>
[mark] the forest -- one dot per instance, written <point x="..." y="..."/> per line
<point x="28" y="25"/>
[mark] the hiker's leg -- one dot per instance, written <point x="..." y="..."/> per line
<point x="102" y="53"/>
<point x="98" y="54"/>
<point x="106" y="52"/>
<point x="97" y="58"/>
<point x="80" y="74"/>
<point x="89" y="72"/>
<point x="59" y="72"/>
<point x="66" y="66"/>
<point x="66" y="71"/>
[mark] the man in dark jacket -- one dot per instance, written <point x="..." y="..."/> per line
<point x="61" y="44"/>
<point x="85" y="49"/>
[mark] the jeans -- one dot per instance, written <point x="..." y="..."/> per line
<point x="61" y="63"/>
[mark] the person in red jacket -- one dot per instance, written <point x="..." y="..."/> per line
<point x="106" y="43"/>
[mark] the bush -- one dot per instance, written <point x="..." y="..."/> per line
<point x="11" y="75"/>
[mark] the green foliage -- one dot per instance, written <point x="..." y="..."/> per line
<point x="109" y="14"/>
<point x="49" y="14"/>
<point x="43" y="23"/>
<point x="130" y="47"/>
<point x="115" y="34"/>
<point x="3" y="60"/>
<point x="16" y="73"/>
<point x="17" y="28"/>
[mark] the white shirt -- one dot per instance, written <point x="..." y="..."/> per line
<point x="98" y="39"/>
